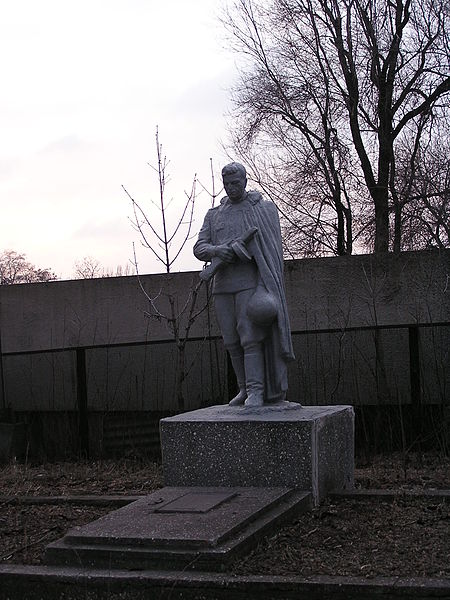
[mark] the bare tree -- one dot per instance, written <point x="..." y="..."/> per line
<point x="14" y="268"/>
<point x="88" y="268"/>
<point x="421" y="199"/>
<point x="166" y="241"/>
<point x="91" y="268"/>
<point x="316" y="209"/>
<point x="352" y="78"/>
<point x="279" y="139"/>
<point x="419" y="190"/>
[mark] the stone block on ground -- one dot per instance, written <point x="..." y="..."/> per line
<point x="179" y="528"/>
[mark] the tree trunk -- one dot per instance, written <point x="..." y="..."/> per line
<point x="341" y="246"/>
<point x="380" y="198"/>
<point x="180" y="375"/>
<point x="397" y="229"/>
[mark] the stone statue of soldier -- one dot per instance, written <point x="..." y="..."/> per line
<point x="242" y="239"/>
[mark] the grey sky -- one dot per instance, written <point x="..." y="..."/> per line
<point x="84" y="85"/>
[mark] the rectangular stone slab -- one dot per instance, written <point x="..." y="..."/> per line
<point x="142" y="535"/>
<point x="287" y="445"/>
<point x="143" y="523"/>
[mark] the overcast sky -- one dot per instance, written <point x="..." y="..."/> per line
<point x="83" y="86"/>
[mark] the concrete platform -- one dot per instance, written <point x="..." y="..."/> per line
<point x="179" y="528"/>
<point x="284" y="445"/>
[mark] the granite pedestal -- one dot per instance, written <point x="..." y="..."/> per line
<point x="285" y="445"/>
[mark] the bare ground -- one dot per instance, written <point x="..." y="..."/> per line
<point x="359" y="538"/>
<point x="409" y="537"/>
<point x="128" y="477"/>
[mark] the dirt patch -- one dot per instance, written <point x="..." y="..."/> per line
<point x="126" y="477"/>
<point x="359" y="538"/>
<point x="25" y="531"/>
<point x="413" y="471"/>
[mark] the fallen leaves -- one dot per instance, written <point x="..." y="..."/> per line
<point x="405" y="537"/>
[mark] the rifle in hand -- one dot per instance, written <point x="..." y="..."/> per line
<point x="239" y="247"/>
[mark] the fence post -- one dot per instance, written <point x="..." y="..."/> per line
<point x="417" y="413"/>
<point x="83" y="421"/>
<point x="2" y="378"/>
<point x="414" y="366"/>
<point x="2" y="382"/>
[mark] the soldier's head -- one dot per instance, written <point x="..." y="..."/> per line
<point x="234" y="179"/>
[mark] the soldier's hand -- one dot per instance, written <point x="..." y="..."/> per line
<point x="224" y="252"/>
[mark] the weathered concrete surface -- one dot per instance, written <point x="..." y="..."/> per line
<point x="356" y="291"/>
<point x="192" y="528"/>
<point x="310" y="448"/>
<point x="322" y="293"/>
<point x="91" y="312"/>
<point x="18" y="582"/>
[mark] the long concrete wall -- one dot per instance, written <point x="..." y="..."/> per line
<point x="366" y="330"/>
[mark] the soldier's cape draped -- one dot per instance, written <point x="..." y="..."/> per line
<point x="266" y="249"/>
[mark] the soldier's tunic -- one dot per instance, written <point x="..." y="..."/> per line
<point x="226" y="223"/>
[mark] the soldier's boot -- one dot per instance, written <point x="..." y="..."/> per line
<point x="237" y="360"/>
<point x="254" y="375"/>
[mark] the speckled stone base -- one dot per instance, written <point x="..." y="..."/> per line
<point x="286" y="445"/>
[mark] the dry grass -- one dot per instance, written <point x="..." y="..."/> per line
<point x="129" y="477"/>
<point x="412" y="471"/>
